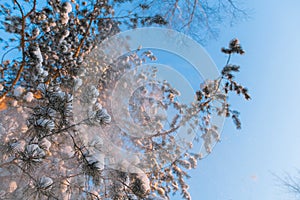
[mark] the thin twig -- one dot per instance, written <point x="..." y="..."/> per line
<point x="191" y="15"/>
<point x="22" y="44"/>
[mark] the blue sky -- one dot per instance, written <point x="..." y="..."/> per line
<point x="241" y="166"/>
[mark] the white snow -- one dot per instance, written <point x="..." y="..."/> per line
<point x="78" y="83"/>
<point x="45" y="182"/>
<point x="68" y="150"/>
<point x="38" y="54"/>
<point x="68" y="7"/>
<point x="18" y="91"/>
<point x="2" y="129"/>
<point x="46" y="144"/>
<point x="12" y="186"/>
<point x="28" y="97"/>
<point x="145" y="183"/>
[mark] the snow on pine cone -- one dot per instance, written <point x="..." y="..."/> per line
<point x="45" y="183"/>
<point x="103" y="116"/>
<point x="99" y="117"/>
<point x="34" y="152"/>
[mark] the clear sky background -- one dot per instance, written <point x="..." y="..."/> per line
<point x="241" y="166"/>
